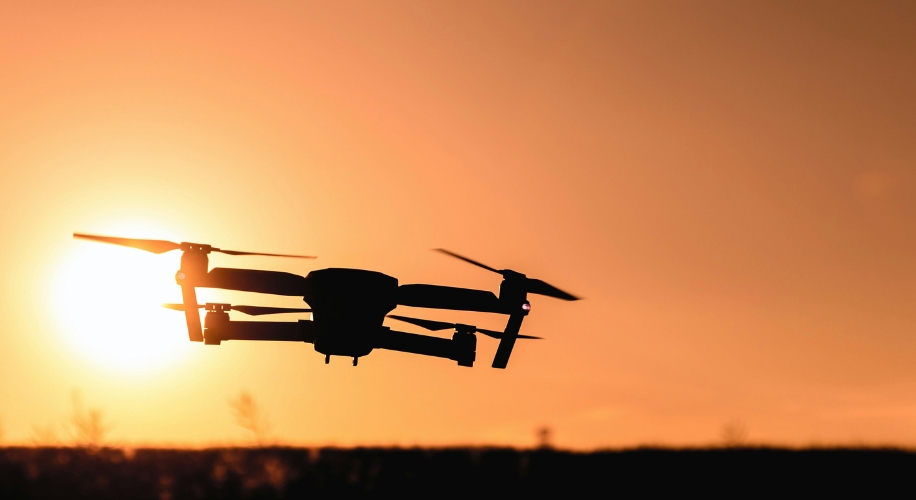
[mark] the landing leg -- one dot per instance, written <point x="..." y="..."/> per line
<point x="509" y="336"/>
<point x="327" y="358"/>
<point x="192" y="317"/>
<point x="355" y="360"/>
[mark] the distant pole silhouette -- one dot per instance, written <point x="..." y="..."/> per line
<point x="544" y="438"/>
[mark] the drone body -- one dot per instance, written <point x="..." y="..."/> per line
<point x="347" y="306"/>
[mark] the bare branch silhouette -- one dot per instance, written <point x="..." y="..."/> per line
<point x="249" y="416"/>
<point x="734" y="434"/>
<point x="87" y="426"/>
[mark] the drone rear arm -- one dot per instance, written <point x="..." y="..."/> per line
<point x="299" y="331"/>
<point x="413" y="343"/>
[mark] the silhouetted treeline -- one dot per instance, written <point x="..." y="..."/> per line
<point x="74" y="473"/>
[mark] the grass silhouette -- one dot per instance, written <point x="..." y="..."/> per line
<point x="444" y="472"/>
<point x="87" y="426"/>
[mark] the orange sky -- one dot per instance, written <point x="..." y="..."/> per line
<point x="731" y="187"/>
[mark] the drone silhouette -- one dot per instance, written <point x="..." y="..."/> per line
<point x="347" y="306"/>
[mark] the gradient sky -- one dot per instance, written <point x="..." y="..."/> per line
<point x="731" y="185"/>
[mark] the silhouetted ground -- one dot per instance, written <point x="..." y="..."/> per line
<point x="300" y="473"/>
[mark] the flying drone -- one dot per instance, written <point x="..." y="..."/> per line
<point x="347" y="306"/>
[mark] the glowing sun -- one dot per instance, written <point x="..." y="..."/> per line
<point x="108" y="306"/>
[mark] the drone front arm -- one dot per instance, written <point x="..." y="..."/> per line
<point x="461" y="348"/>
<point x="447" y="297"/>
<point x="413" y="343"/>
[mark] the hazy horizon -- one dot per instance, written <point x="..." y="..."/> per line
<point x="731" y="186"/>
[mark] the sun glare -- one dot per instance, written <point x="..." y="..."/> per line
<point x="108" y="307"/>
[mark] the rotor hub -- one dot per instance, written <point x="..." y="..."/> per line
<point x="196" y="247"/>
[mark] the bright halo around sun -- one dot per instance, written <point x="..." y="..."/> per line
<point x="108" y="304"/>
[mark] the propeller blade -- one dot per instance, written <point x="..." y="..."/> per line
<point x="441" y="325"/>
<point x="236" y="252"/>
<point x="541" y="288"/>
<point x="469" y="261"/>
<point x="499" y="335"/>
<point x="176" y="307"/>
<point x="424" y="323"/>
<point x="154" y="246"/>
<point x="532" y="285"/>
<point x="491" y="333"/>
<point x="252" y="280"/>
<point x="162" y="246"/>
<point x="260" y="311"/>
<point x="249" y="310"/>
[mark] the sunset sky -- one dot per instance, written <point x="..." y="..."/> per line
<point x="730" y="185"/>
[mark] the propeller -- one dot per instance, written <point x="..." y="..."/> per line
<point x="441" y="325"/>
<point x="162" y="246"/>
<point x="249" y="310"/>
<point x="531" y="285"/>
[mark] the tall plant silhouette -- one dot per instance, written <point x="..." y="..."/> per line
<point x="249" y="416"/>
<point x="87" y="426"/>
<point x="735" y="434"/>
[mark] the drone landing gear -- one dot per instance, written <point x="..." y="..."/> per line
<point x="327" y="359"/>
